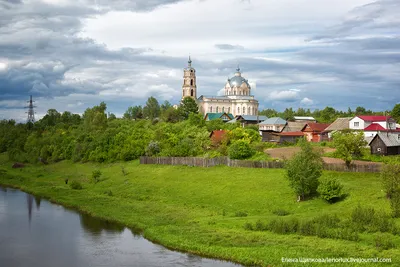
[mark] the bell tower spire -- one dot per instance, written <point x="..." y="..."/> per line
<point x="189" y="87"/>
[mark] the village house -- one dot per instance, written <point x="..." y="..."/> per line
<point x="270" y="127"/>
<point x="385" y="144"/>
<point x="315" y="132"/>
<point x="214" y="116"/>
<point x="217" y="136"/>
<point x="370" y="125"/>
<point x="248" y="119"/>
<point x="339" y="124"/>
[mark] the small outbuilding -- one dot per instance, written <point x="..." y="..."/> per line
<point x="385" y="144"/>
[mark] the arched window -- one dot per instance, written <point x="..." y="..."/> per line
<point x="210" y="109"/>
<point x="244" y="110"/>
<point x="191" y="92"/>
<point x="234" y="92"/>
<point x="217" y="109"/>
<point x="238" y="111"/>
<point x="229" y="110"/>
<point x="191" y="82"/>
<point x="223" y="109"/>
<point x="249" y="112"/>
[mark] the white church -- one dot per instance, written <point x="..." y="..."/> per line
<point x="237" y="98"/>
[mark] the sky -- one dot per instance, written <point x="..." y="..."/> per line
<point x="73" y="54"/>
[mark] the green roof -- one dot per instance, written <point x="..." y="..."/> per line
<point x="213" y="116"/>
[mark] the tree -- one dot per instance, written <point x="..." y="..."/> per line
<point x="171" y="115"/>
<point x="188" y="105"/>
<point x="134" y="113"/>
<point x="95" y="118"/>
<point x="152" y="109"/>
<point x="390" y="175"/>
<point x="304" y="169"/>
<point x="396" y="112"/>
<point x="269" y="113"/>
<point x="166" y="105"/>
<point x="348" y="145"/>
<point x="328" y="114"/>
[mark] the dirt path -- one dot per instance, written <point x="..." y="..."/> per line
<point x="288" y="152"/>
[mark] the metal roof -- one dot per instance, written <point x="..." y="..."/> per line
<point x="389" y="139"/>
<point x="304" y="118"/>
<point x="273" y="120"/>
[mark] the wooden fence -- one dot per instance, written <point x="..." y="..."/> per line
<point x="210" y="162"/>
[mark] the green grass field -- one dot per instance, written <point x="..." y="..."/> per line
<point x="203" y="210"/>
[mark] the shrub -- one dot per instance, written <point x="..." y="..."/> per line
<point x="240" y="214"/>
<point x="280" y="212"/>
<point x="281" y="226"/>
<point x="248" y="226"/>
<point x="362" y="216"/>
<point x="240" y="150"/>
<point x="75" y="185"/>
<point x="108" y="193"/>
<point x="260" y="226"/>
<point x="153" y="148"/>
<point x="395" y="203"/>
<point x="96" y="176"/>
<point x="330" y="190"/>
<point x="383" y="241"/>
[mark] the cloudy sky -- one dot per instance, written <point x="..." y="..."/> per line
<point x="73" y="54"/>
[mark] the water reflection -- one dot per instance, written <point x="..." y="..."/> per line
<point x="96" y="226"/>
<point x="61" y="237"/>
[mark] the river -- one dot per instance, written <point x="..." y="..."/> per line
<point x="35" y="232"/>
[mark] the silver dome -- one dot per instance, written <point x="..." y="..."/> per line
<point x="238" y="81"/>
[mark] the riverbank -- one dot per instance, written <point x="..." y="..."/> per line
<point x="204" y="210"/>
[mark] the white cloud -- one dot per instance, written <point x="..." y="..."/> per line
<point x="307" y="101"/>
<point x="289" y="95"/>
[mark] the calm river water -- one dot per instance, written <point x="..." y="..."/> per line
<point x="35" y="232"/>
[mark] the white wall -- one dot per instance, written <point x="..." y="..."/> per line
<point x="361" y="124"/>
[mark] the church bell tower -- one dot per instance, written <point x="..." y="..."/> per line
<point x="189" y="87"/>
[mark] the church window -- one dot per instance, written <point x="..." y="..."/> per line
<point x="223" y="109"/>
<point x="191" y="82"/>
<point x="235" y="92"/>
<point x="217" y="109"/>
<point x="229" y="109"/>
<point x="249" y="112"/>
<point x="244" y="110"/>
<point x="210" y="109"/>
<point x="191" y="92"/>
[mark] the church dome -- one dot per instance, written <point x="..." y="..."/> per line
<point x="238" y="80"/>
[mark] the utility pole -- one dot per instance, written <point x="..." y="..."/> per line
<point x="31" y="112"/>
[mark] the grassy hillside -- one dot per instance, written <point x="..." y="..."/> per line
<point x="205" y="210"/>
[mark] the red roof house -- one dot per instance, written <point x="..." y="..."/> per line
<point x="217" y="136"/>
<point x="315" y="132"/>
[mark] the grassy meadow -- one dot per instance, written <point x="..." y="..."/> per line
<point x="205" y="210"/>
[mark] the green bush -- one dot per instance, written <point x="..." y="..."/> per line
<point x="383" y="241"/>
<point x="240" y="150"/>
<point x="75" y="185"/>
<point x="281" y="226"/>
<point x="240" y="214"/>
<point x="96" y="176"/>
<point x="153" y="148"/>
<point x="248" y="226"/>
<point x="330" y="190"/>
<point x="280" y="212"/>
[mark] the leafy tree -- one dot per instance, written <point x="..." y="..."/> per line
<point x="134" y="113"/>
<point x="390" y="175"/>
<point x="188" y="105"/>
<point x="269" y="113"/>
<point x="152" y="109"/>
<point x="51" y="118"/>
<point x="288" y="114"/>
<point x="171" y="115"/>
<point x="166" y="105"/>
<point x="95" y="118"/>
<point x="348" y="145"/>
<point x="396" y="112"/>
<point x="240" y="149"/>
<point x="328" y="114"/>
<point x="111" y="116"/>
<point x="304" y="169"/>
<point x="330" y="189"/>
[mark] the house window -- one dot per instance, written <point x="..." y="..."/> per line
<point x="356" y="124"/>
<point x="379" y="149"/>
<point x="398" y="137"/>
